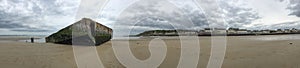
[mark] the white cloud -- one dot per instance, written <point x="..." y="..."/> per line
<point x="46" y="16"/>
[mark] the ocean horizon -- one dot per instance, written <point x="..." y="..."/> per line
<point x="41" y="38"/>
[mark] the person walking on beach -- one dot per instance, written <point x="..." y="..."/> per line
<point x="32" y="40"/>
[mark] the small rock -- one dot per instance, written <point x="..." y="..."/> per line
<point x="291" y="43"/>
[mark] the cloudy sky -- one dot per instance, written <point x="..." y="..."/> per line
<point x="44" y="17"/>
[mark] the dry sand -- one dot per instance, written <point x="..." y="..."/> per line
<point x="241" y="53"/>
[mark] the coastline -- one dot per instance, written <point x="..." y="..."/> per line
<point x="209" y="34"/>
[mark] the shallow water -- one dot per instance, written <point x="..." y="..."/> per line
<point x="41" y="39"/>
<point x="22" y="38"/>
<point x="272" y="37"/>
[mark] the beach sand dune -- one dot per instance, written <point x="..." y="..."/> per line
<point x="241" y="53"/>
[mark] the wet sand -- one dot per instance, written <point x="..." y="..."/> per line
<point x="241" y="53"/>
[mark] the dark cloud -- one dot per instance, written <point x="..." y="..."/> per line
<point x="196" y="16"/>
<point x="9" y="24"/>
<point x="162" y="14"/>
<point x="47" y="15"/>
<point x="155" y="14"/>
<point x="34" y="15"/>
<point x="236" y="15"/>
<point x="294" y="6"/>
<point x="13" y="20"/>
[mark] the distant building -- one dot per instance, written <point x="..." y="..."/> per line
<point x="237" y="31"/>
<point x="201" y="31"/>
<point x="279" y="31"/>
<point x="207" y="30"/>
<point x="266" y="31"/>
<point x="294" y="30"/>
<point x="171" y="33"/>
<point x="232" y="30"/>
<point x="214" y="30"/>
<point x="273" y="31"/>
<point x="287" y="31"/>
<point x="257" y="32"/>
<point x="158" y="33"/>
<point x="187" y="32"/>
<point x="219" y="30"/>
<point x="242" y="31"/>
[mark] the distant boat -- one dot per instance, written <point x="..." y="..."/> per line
<point x="83" y="32"/>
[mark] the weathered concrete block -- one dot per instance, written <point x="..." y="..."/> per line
<point x="83" y="32"/>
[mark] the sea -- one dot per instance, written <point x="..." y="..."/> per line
<point x="273" y="37"/>
<point x="22" y="38"/>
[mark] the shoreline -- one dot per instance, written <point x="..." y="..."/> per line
<point x="223" y="35"/>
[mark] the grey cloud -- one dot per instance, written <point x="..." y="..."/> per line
<point x="8" y="24"/>
<point x="294" y="7"/>
<point x="196" y="16"/>
<point x="236" y="15"/>
<point x="295" y="10"/>
<point x="34" y="15"/>
<point x="8" y="20"/>
<point x="161" y="14"/>
<point x="286" y="25"/>
<point x="153" y="14"/>
<point x="150" y="14"/>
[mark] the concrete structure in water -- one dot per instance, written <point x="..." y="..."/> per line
<point x="83" y="32"/>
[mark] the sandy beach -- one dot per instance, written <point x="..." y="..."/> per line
<point x="241" y="53"/>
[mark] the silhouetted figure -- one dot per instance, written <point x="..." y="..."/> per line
<point x="32" y="40"/>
